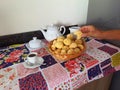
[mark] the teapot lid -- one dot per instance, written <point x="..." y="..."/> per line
<point x="51" y="26"/>
<point x="35" y="40"/>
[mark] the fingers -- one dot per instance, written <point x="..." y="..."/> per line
<point x="86" y="30"/>
<point x="84" y="35"/>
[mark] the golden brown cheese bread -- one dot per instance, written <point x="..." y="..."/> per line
<point x="70" y="36"/>
<point x="59" y="44"/>
<point x="67" y="44"/>
<point x="61" y="38"/>
<point x="73" y="45"/>
<point x="67" y="41"/>
<point x="78" y="33"/>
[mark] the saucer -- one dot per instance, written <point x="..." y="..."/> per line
<point x="39" y="62"/>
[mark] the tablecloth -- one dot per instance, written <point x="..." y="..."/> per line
<point x="99" y="60"/>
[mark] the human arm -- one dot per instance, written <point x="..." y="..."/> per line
<point x="91" y="31"/>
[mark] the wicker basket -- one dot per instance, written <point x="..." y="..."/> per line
<point x="65" y="57"/>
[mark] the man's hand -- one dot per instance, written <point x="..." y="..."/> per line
<point x="91" y="31"/>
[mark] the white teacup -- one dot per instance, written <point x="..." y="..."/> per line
<point x="74" y="28"/>
<point x="32" y="57"/>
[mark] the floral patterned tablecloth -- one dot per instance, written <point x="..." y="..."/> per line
<point x="99" y="60"/>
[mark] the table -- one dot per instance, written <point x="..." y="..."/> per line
<point x="99" y="60"/>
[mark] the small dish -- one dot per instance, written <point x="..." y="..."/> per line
<point x="38" y="63"/>
<point x="32" y="49"/>
<point x="35" y="43"/>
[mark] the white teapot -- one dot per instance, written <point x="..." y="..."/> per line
<point x="53" y="32"/>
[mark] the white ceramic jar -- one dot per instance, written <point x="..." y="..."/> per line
<point x="74" y="28"/>
<point x="35" y="43"/>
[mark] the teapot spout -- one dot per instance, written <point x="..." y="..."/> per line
<point x="43" y="32"/>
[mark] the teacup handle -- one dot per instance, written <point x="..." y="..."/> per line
<point x="63" y="28"/>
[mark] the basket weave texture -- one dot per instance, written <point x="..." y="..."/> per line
<point x="65" y="57"/>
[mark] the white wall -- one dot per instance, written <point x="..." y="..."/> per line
<point x="28" y="15"/>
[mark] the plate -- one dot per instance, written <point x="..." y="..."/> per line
<point x="39" y="62"/>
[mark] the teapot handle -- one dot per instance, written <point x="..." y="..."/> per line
<point x="63" y="28"/>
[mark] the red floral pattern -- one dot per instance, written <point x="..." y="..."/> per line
<point x="1" y="55"/>
<point x="14" y="56"/>
<point x="73" y="67"/>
